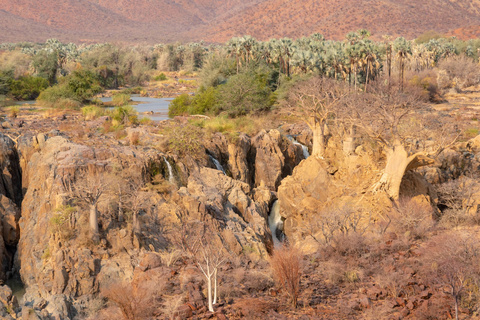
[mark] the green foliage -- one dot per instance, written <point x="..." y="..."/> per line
<point x="180" y="105"/>
<point x="244" y="93"/>
<point x="6" y="78"/>
<point x="124" y="115"/>
<point x="92" y="112"/>
<point x="216" y="70"/>
<point x="80" y="86"/>
<point x="203" y="102"/>
<point x="28" y="87"/>
<point x="161" y="77"/>
<point x="120" y="99"/>
<point x="46" y="66"/>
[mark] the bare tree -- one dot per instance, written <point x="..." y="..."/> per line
<point x="207" y="253"/>
<point x="90" y="188"/>
<point x="138" y="200"/>
<point x="318" y="100"/>
<point x="452" y="260"/>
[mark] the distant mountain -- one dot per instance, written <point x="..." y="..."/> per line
<point x="153" y="21"/>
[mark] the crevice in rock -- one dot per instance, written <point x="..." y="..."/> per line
<point x="10" y="206"/>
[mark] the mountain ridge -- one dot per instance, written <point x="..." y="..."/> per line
<point x="153" y="21"/>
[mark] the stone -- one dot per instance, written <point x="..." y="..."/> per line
<point x="150" y="261"/>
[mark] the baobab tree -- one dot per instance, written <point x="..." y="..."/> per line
<point x="411" y="135"/>
<point x="318" y="100"/>
<point x="90" y="189"/>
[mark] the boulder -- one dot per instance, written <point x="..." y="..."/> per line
<point x="239" y="161"/>
<point x="269" y="159"/>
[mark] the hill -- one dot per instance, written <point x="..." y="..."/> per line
<point x="152" y="21"/>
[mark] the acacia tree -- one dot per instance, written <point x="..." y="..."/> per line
<point x="410" y="135"/>
<point x="318" y="100"/>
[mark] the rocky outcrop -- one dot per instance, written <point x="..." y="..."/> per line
<point x="10" y="171"/>
<point x="212" y="195"/>
<point x="11" y="196"/>
<point x="240" y="163"/>
<point x="302" y="195"/>
<point x="50" y="269"/>
<point x="275" y="158"/>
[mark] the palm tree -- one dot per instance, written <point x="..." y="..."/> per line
<point x="403" y="49"/>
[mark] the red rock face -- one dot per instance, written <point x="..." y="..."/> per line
<point x="218" y="21"/>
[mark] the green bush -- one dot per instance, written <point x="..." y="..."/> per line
<point x="244" y="93"/>
<point x="28" y="87"/>
<point x="204" y="101"/>
<point x="6" y="78"/>
<point x="161" y="77"/>
<point x="120" y="99"/>
<point x="80" y="86"/>
<point x="92" y="112"/>
<point x="124" y="115"/>
<point x="180" y="105"/>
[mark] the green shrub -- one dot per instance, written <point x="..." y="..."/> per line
<point x="6" y="78"/>
<point x="161" y="77"/>
<point x="120" y="99"/>
<point x="92" y="112"/>
<point x="79" y="86"/>
<point x="180" y="105"/>
<point x="243" y="94"/>
<point x="204" y="101"/>
<point x="124" y="115"/>
<point x="28" y="87"/>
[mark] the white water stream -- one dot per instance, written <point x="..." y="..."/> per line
<point x="306" y="154"/>
<point x="217" y="164"/>
<point x="171" y="178"/>
<point x="274" y="222"/>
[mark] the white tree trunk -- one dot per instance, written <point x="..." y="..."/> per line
<point x="93" y="219"/>
<point x="210" y="303"/>
<point x="215" y="287"/>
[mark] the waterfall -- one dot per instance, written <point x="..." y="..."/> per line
<point x="306" y="154"/>
<point x="171" y="178"/>
<point x="217" y="164"/>
<point x="274" y="222"/>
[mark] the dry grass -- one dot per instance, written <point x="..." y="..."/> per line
<point x="286" y="264"/>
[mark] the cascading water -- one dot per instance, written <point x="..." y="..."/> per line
<point x="306" y="154"/>
<point x="171" y="178"/>
<point x="217" y="164"/>
<point x="276" y="224"/>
